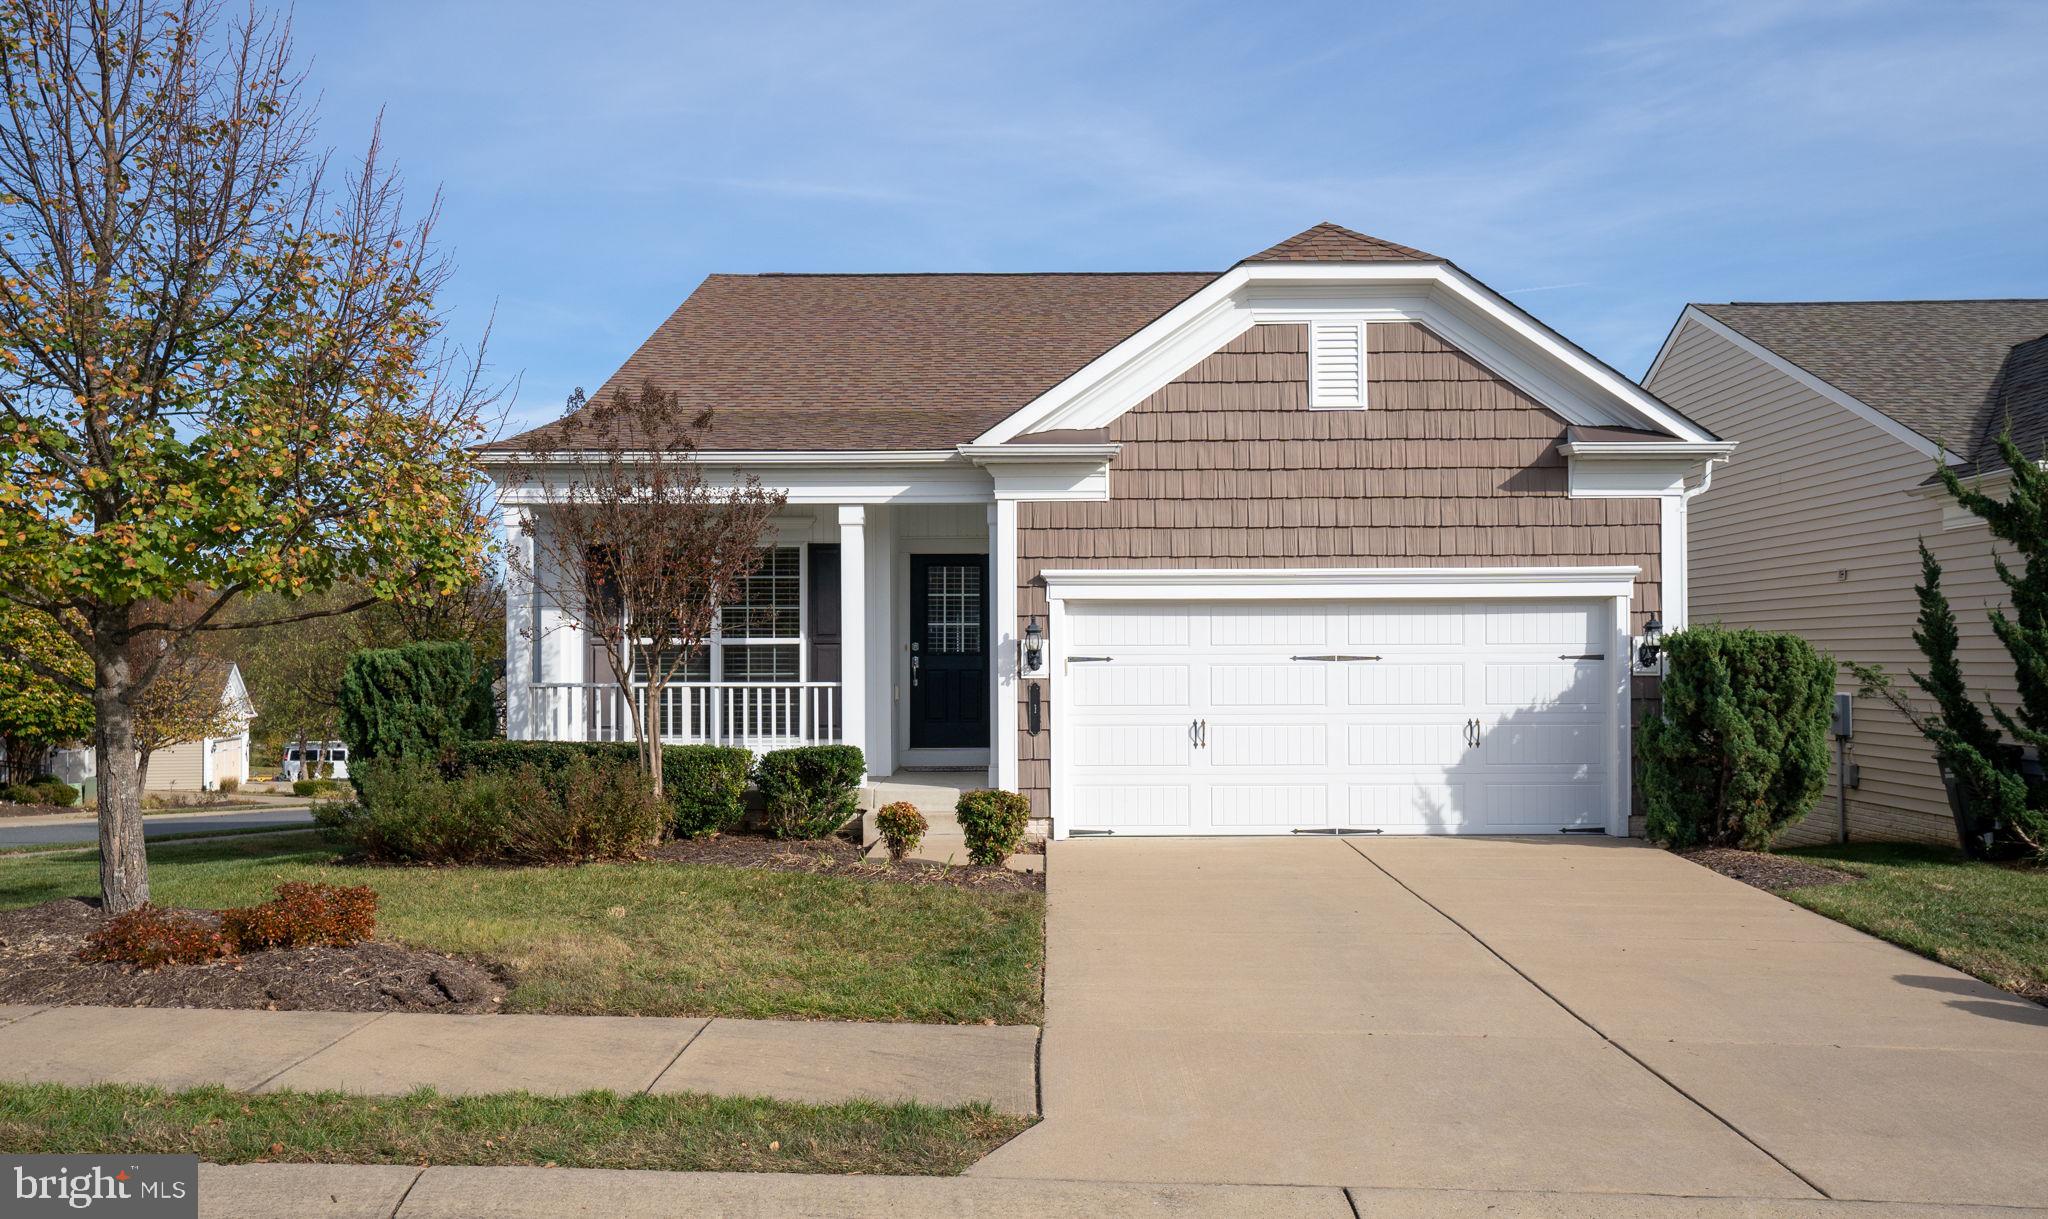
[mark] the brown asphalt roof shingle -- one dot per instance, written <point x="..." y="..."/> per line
<point x="1328" y="242"/>
<point x="1934" y="366"/>
<point x="894" y="362"/>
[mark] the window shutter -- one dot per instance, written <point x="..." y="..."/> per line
<point x="1336" y="365"/>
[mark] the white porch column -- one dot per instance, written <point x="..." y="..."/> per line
<point x="1002" y="579"/>
<point x="521" y="620"/>
<point x="853" y="628"/>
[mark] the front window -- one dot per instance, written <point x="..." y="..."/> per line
<point x="759" y="635"/>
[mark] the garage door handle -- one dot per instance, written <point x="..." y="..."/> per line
<point x="1472" y="733"/>
<point x="1584" y="656"/>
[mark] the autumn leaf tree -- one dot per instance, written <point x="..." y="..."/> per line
<point x="38" y="712"/>
<point x="186" y="701"/>
<point x="615" y="526"/>
<point x="222" y="367"/>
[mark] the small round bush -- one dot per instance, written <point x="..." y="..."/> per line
<point x="810" y="791"/>
<point x="152" y="937"/>
<point x="314" y="787"/>
<point x="52" y="790"/>
<point x="303" y="913"/>
<point x="992" y="821"/>
<point x="902" y="828"/>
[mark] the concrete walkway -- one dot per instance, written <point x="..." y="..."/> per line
<point x="264" y="1191"/>
<point x="394" y="1053"/>
<point x="1553" y="1015"/>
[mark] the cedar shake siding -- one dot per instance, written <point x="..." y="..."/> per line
<point x="1449" y="466"/>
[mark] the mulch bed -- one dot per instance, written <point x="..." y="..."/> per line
<point x="1768" y="872"/>
<point x="39" y="964"/>
<point x="39" y="810"/>
<point x="837" y="857"/>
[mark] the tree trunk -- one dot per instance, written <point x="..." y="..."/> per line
<point x="124" y="867"/>
<point x="650" y="756"/>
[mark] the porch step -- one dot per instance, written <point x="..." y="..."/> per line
<point x="930" y="791"/>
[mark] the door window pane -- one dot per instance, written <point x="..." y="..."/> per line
<point x="952" y="615"/>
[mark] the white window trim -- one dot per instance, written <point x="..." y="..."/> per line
<point x="1614" y="586"/>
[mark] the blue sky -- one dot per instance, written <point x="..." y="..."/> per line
<point x="1602" y="164"/>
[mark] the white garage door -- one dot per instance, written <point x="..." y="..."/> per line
<point x="1400" y="717"/>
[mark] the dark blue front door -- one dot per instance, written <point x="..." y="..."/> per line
<point x="949" y="651"/>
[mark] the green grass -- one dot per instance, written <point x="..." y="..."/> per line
<point x="595" y="1130"/>
<point x="650" y="939"/>
<point x="1985" y="919"/>
<point x="50" y="848"/>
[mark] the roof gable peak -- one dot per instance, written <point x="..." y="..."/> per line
<point x="1328" y="242"/>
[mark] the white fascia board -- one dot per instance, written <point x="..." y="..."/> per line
<point x="1497" y="332"/>
<point x="503" y="459"/>
<point x="1027" y="454"/>
<point x="1625" y="469"/>
<point x="1337" y="584"/>
<point x="1616" y="449"/>
<point x="1848" y="402"/>
<point x="841" y="483"/>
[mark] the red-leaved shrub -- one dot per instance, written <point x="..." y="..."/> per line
<point x="153" y="937"/>
<point x="302" y="913"/>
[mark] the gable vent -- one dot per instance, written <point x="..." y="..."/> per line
<point x="1336" y="365"/>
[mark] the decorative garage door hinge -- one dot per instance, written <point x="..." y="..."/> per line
<point x="1336" y="831"/>
<point x="1339" y="656"/>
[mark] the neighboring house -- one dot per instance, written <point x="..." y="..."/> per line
<point x="204" y="764"/>
<point x="1843" y="410"/>
<point x="1336" y="539"/>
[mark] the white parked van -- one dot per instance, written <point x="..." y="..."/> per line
<point x="329" y="760"/>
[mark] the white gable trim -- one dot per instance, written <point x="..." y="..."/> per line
<point x="1848" y="402"/>
<point x="1464" y="312"/>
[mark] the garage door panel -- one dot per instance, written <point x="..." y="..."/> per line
<point x="1236" y="626"/>
<point x="1528" y="804"/>
<point x="1272" y="806"/>
<point x="1147" y="746"/>
<point x="1477" y="717"/>
<point x="1281" y="684"/>
<point x="1434" y="744"/>
<point x="1418" y="804"/>
<point x="1155" y="806"/>
<point x="1302" y="743"/>
<point x="1130" y="625"/>
<point x="1407" y="625"/>
<point x="1132" y="685"/>
<point x="1538" y="684"/>
<point x="1391" y="683"/>
<point x="1542" y="744"/>
<point x="1518" y="625"/>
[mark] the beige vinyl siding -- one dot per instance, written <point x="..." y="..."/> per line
<point x="1811" y="529"/>
<point x="1448" y="466"/>
<point x="178" y="768"/>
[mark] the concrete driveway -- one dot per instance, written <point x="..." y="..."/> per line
<point x="1510" y="1014"/>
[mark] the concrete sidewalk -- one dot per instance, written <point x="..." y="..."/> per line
<point x="394" y="1053"/>
<point x="264" y="1191"/>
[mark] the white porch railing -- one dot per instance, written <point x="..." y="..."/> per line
<point x="754" y="715"/>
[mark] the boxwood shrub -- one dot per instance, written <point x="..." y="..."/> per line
<point x="810" y="791"/>
<point x="705" y="785"/>
<point x="410" y="811"/>
<point x="992" y="821"/>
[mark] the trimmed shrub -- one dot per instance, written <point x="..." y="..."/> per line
<point x="810" y="791"/>
<point x="420" y="700"/>
<point x="46" y="790"/>
<point x="409" y="811"/>
<point x="405" y="811"/>
<point x="303" y="913"/>
<point x="229" y="787"/>
<point x="591" y="809"/>
<point x="704" y="785"/>
<point x="992" y="822"/>
<point x="152" y="937"/>
<point x="314" y="787"/>
<point x="902" y="828"/>
<point x="1740" y="747"/>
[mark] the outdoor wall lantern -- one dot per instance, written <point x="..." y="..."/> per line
<point x="1651" y="648"/>
<point x="1034" y="648"/>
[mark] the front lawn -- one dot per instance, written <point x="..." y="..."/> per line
<point x="687" y="1133"/>
<point x="647" y="939"/>
<point x="1985" y="919"/>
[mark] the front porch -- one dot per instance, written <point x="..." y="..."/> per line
<point x="868" y="624"/>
